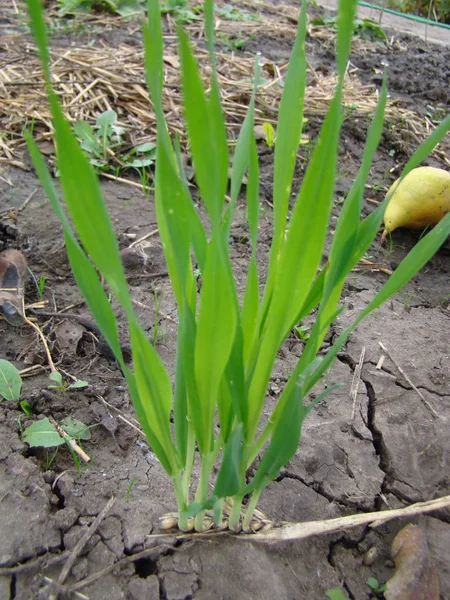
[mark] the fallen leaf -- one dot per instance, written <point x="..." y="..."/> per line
<point x="415" y="577"/>
<point x="172" y="61"/>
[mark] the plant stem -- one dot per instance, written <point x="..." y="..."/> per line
<point x="186" y="480"/>
<point x="182" y="518"/>
<point x="256" y="448"/>
<point x="250" y="509"/>
<point x="218" y="512"/>
<point x="235" y="515"/>
<point x="202" y="489"/>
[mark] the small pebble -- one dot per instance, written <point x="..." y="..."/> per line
<point x="370" y="556"/>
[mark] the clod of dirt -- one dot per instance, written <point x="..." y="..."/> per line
<point x="13" y="272"/>
<point x="68" y="334"/>
<point x="416" y="576"/>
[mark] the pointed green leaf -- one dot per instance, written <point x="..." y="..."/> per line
<point x="229" y="478"/>
<point x="216" y="330"/>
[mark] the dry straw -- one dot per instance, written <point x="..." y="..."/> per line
<point x="92" y="78"/>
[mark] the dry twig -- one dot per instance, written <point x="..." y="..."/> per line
<point x="408" y="380"/>
<point x="356" y="381"/>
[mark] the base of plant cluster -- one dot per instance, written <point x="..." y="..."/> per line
<point x="258" y="524"/>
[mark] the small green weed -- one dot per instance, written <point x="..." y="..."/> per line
<point x="102" y="143"/>
<point x="181" y="10"/>
<point x="58" y="384"/>
<point x="302" y="332"/>
<point x="100" y="140"/>
<point x="233" y="42"/>
<point x="120" y="7"/>
<point x="269" y="132"/>
<point x="377" y="588"/>
<point x="365" y="28"/>
<point x="336" y="594"/>
<point x="26" y="408"/>
<point x="232" y="13"/>
<point x="10" y="381"/>
<point x="436" y="114"/>
<point x="41" y="285"/>
<point x="44" y="434"/>
<point x="129" y="488"/>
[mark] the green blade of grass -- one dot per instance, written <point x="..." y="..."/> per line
<point x="234" y="379"/>
<point x="289" y="131"/>
<point x="344" y="21"/>
<point x="285" y="437"/>
<point x="228" y="481"/>
<point x="85" y="274"/>
<point x="199" y="242"/>
<point x="301" y="254"/>
<point x="174" y="223"/>
<point x="243" y="151"/>
<point x="346" y="234"/>
<point x="155" y="397"/>
<point x="180" y="403"/>
<point x="250" y="304"/>
<point x="216" y="329"/>
<point x="410" y="265"/>
<point x="216" y="118"/>
<point x="201" y="118"/>
<point x="91" y="220"/>
<point x="79" y="182"/>
<point x="153" y="44"/>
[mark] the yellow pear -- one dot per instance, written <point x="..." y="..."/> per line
<point x="421" y="199"/>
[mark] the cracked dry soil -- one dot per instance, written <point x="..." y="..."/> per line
<point x="390" y="452"/>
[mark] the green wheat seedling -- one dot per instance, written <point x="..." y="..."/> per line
<point x="226" y="345"/>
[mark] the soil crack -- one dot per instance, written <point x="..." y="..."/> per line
<point x="315" y="486"/>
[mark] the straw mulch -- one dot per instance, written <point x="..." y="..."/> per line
<point x="93" y="78"/>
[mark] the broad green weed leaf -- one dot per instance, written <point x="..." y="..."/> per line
<point x="42" y="433"/>
<point x="10" y="381"/>
<point x="146" y="147"/>
<point x="79" y="384"/>
<point x="75" y="429"/>
<point x="336" y="594"/>
<point x="106" y="120"/>
<point x="56" y="377"/>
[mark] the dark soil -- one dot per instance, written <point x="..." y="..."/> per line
<point x="392" y="453"/>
